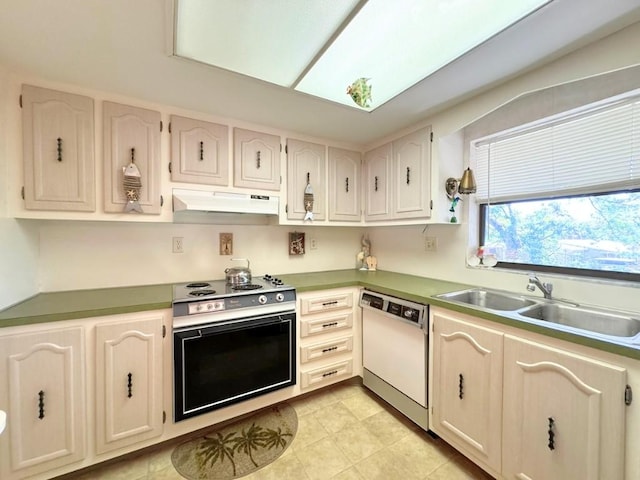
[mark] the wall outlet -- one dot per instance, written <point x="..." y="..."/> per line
<point x="313" y="244"/>
<point x="178" y="245"/>
<point x="430" y="244"/>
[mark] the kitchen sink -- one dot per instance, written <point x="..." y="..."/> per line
<point x="489" y="299"/>
<point x="606" y="322"/>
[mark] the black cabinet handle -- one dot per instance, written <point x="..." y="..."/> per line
<point x="327" y="325"/>
<point x="201" y="151"/>
<point x="59" y="141"/>
<point x="375" y="183"/>
<point x="41" y="404"/>
<point x="550" y="431"/>
<point x="328" y="374"/>
<point x="129" y="385"/>
<point x="408" y="175"/>
<point x="258" y="162"/>
<point x="133" y="155"/>
<point x="346" y="184"/>
<point x="460" y="387"/>
<point x="330" y="349"/>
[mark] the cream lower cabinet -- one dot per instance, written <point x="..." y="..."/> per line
<point x="328" y="338"/>
<point x="128" y="381"/>
<point x="564" y="414"/>
<point x="523" y="409"/>
<point x="43" y="391"/>
<point x="467" y="387"/>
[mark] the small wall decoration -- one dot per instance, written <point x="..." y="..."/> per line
<point x="296" y="243"/>
<point x="226" y="244"/>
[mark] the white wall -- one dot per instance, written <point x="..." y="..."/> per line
<point x="402" y="248"/>
<point x="18" y="241"/>
<point x="78" y="255"/>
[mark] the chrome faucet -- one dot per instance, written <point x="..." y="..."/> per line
<point x="545" y="288"/>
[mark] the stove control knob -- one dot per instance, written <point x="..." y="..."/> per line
<point x="267" y="277"/>
<point x="262" y="299"/>
<point x="408" y="313"/>
<point x="199" y="307"/>
<point x="279" y="297"/>
<point x="209" y="306"/>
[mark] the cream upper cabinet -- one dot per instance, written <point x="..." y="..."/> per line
<point x="42" y="389"/>
<point x="412" y="175"/>
<point x="58" y="142"/>
<point x="467" y="387"/>
<point x="128" y="381"/>
<point x="377" y="174"/>
<point x="344" y="185"/>
<point x="256" y="160"/>
<point x="306" y="167"/>
<point x="131" y="135"/>
<point x="564" y="414"/>
<point x="199" y="151"/>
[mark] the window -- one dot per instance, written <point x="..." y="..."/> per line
<point x="563" y="194"/>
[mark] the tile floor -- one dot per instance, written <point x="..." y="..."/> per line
<point x="344" y="433"/>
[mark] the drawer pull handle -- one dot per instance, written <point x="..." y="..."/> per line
<point x="461" y="387"/>
<point x="551" y="444"/>
<point x="328" y="374"/>
<point x="129" y="385"/>
<point x="41" y="404"/>
<point x="328" y="304"/>
<point x="332" y="324"/>
<point x="330" y="349"/>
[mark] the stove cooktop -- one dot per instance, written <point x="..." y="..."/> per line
<point x="212" y="289"/>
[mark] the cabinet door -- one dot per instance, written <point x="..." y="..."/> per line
<point x="377" y="164"/>
<point x="467" y="387"/>
<point x="412" y="175"/>
<point x="128" y="382"/>
<point x="58" y="150"/>
<point x="256" y="160"/>
<point x="131" y="134"/>
<point x="565" y="416"/>
<point x="199" y="151"/>
<point x="344" y="185"/>
<point x="42" y="391"/>
<point x="306" y="164"/>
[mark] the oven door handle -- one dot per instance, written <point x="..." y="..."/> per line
<point x="230" y="325"/>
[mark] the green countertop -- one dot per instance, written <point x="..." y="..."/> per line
<point x="68" y="305"/>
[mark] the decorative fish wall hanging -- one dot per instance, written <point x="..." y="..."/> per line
<point x="360" y="92"/>
<point x="308" y="201"/>
<point x="132" y="184"/>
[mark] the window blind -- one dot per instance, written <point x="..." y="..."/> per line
<point x="596" y="151"/>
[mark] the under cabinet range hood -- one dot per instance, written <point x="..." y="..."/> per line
<point x="199" y="206"/>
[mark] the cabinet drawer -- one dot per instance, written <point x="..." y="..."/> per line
<point x="326" y="349"/>
<point x="327" y="374"/>
<point x="324" y="324"/>
<point x="326" y="303"/>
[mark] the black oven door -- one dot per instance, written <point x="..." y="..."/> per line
<point x="218" y="364"/>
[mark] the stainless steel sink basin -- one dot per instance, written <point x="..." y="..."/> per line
<point x="605" y="322"/>
<point x="489" y="299"/>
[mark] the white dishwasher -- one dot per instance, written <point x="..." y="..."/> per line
<point x="394" y="352"/>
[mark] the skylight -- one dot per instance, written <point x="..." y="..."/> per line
<point x="321" y="47"/>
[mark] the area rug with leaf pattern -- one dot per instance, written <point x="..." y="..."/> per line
<point x="239" y="448"/>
